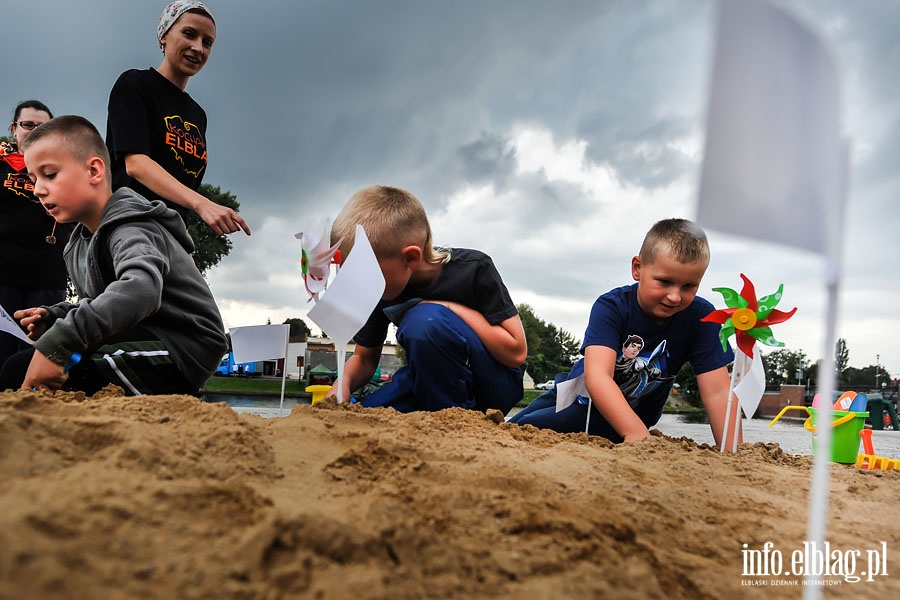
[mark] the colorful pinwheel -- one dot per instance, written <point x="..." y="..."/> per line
<point x="316" y="258"/>
<point x="747" y="318"/>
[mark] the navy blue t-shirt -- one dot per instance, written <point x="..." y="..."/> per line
<point x="646" y="378"/>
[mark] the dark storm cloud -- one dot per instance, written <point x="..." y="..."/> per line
<point x="309" y="101"/>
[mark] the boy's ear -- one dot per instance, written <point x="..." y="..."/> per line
<point x="96" y="170"/>
<point x="412" y="255"/>
<point x="636" y="268"/>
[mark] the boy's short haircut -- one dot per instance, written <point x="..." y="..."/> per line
<point x="683" y="240"/>
<point x="77" y="134"/>
<point x="393" y="219"/>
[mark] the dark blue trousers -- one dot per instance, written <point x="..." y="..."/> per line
<point x="542" y="412"/>
<point x="447" y="366"/>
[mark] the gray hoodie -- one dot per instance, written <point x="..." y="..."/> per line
<point x="136" y="269"/>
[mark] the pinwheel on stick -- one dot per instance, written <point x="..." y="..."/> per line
<point x="356" y="288"/>
<point x="316" y="258"/>
<point x="749" y="319"/>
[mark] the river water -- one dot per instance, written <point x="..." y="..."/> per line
<point x="788" y="433"/>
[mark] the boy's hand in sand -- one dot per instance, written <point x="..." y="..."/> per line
<point x="637" y="435"/>
<point x="44" y="374"/>
<point x="34" y="320"/>
<point x="332" y="394"/>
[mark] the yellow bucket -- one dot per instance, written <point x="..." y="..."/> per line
<point x="318" y="392"/>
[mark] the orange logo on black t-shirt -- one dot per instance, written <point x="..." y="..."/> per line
<point x="187" y="143"/>
<point x="21" y="185"/>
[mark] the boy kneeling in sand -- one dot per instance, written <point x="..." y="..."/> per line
<point x="637" y="339"/>
<point x="146" y="320"/>
<point x="464" y="342"/>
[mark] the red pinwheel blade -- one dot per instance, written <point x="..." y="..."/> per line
<point x="719" y="316"/>
<point x="748" y="293"/>
<point x="745" y="343"/>
<point x="777" y="316"/>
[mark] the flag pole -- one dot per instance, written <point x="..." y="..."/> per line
<point x="745" y="370"/>
<point x="587" y="421"/>
<point x="341" y="356"/>
<point x="283" y="373"/>
<point x="818" y="492"/>
<point x="726" y="426"/>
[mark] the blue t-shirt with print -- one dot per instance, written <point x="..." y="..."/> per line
<point x="651" y="353"/>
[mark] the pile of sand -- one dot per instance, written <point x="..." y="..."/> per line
<point x="169" y="497"/>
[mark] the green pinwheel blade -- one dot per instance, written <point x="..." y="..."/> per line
<point x="764" y="336"/>
<point x="767" y="303"/>
<point x="726" y="332"/>
<point x="732" y="298"/>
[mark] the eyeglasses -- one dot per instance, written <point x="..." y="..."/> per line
<point x="27" y="125"/>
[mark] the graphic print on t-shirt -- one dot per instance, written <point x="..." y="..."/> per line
<point x="639" y="372"/>
<point x="21" y="184"/>
<point x="187" y="143"/>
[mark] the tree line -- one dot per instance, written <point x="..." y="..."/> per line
<point x="793" y="367"/>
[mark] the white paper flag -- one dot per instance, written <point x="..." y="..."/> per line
<point x="259" y="342"/>
<point x="774" y="162"/>
<point x="345" y="306"/>
<point x="566" y="391"/>
<point x="752" y="385"/>
<point x="9" y="325"/>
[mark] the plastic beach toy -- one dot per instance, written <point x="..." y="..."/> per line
<point x="749" y="319"/>
<point x="868" y="460"/>
<point x="845" y="437"/>
<point x="318" y="392"/>
<point x="871" y="462"/>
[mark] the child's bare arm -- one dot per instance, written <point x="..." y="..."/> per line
<point x="504" y="341"/>
<point x="713" y="386"/>
<point x="358" y="370"/>
<point x="147" y="171"/>
<point x="43" y="373"/>
<point x="599" y="366"/>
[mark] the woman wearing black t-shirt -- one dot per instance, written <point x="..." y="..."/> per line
<point x="156" y="132"/>
<point x="32" y="271"/>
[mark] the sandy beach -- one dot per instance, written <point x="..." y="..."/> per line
<point x="169" y="497"/>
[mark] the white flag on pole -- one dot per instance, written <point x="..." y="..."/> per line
<point x="752" y="385"/>
<point x="567" y="391"/>
<point x="774" y="162"/>
<point x="259" y="342"/>
<point x="345" y="307"/>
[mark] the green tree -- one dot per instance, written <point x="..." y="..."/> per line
<point x="841" y="360"/>
<point x="864" y="380"/>
<point x="781" y="367"/>
<point x="298" y="327"/>
<point x="686" y="381"/>
<point x="551" y="350"/>
<point x="209" y="247"/>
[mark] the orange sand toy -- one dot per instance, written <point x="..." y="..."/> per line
<point x="869" y="461"/>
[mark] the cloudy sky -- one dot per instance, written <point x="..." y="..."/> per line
<point x="551" y="135"/>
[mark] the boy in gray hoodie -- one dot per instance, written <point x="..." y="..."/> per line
<point x="147" y="320"/>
